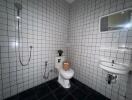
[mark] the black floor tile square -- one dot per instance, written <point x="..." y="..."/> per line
<point x="49" y="97"/>
<point x="89" y="98"/>
<point x="95" y="98"/>
<point x="79" y="94"/>
<point x="69" y="97"/>
<point x="60" y="93"/>
<point x="42" y="91"/>
<point x="99" y="97"/>
<point x="28" y="95"/>
<point x="86" y="89"/>
<point x="53" y="85"/>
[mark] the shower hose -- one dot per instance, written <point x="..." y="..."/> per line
<point x="19" y="49"/>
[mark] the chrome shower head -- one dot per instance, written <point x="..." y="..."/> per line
<point x="18" y="6"/>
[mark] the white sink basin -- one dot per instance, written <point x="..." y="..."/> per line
<point x="114" y="68"/>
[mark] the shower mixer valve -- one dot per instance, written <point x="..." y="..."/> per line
<point x="31" y="46"/>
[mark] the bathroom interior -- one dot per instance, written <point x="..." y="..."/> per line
<point x="65" y="49"/>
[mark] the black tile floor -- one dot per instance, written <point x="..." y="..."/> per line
<point x="52" y="90"/>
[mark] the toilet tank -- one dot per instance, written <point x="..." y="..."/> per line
<point x="59" y="61"/>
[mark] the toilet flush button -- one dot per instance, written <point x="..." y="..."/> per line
<point x="59" y="60"/>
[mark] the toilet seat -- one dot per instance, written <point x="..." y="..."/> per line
<point x="67" y="74"/>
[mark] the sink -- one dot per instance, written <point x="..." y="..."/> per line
<point x="115" y="68"/>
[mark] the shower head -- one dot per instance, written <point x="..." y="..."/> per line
<point x="18" y="6"/>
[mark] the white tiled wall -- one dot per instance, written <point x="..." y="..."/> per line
<point x="88" y="45"/>
<point x="43" y="25"/>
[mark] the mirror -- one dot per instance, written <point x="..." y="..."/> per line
<point x="116" y="21"/>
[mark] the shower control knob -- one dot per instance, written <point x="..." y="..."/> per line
<point x="31" y="46"/>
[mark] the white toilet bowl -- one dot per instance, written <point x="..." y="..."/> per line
<point x="64" y="77"/>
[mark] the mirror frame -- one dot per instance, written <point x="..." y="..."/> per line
<point x="109" y="15"/>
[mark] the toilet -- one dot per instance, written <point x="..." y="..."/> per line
<point x="63" y="76"/>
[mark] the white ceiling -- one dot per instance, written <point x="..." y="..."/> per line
<point x="70" y="1"/>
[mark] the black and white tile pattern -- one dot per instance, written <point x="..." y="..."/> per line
<point x="48" y="25"/>
<point x="52" y="90"/>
